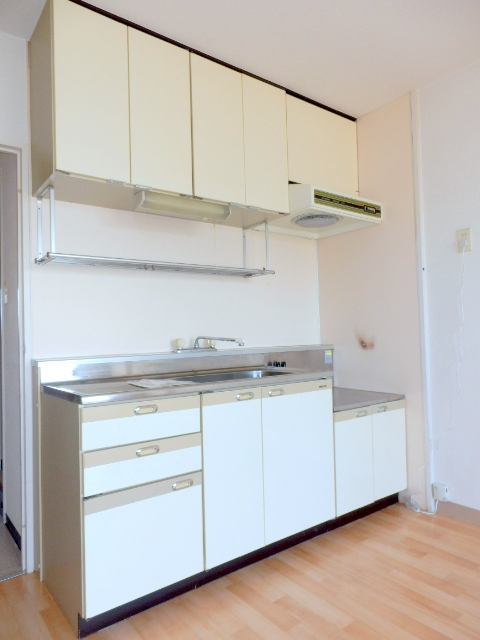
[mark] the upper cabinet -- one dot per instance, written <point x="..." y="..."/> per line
<point x="90" y="93"/>
<point x="160" y="122"/>
<point x="322" y="148"/>
<point x="114" y="106"/>
<point x="265" y="135"/>
<point x="79" y="95"/>
<point x="217" y="129"/>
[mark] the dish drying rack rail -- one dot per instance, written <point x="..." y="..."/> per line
<point x="53" y="256"/>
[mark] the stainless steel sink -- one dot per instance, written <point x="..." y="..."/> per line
<point x="232" y="375"/>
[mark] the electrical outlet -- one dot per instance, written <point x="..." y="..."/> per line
<point x="464" y="236"/>
<point x="440" y="492"/>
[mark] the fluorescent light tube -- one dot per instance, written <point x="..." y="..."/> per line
<point x="180" y="207"/>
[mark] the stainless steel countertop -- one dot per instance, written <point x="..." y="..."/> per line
<point x="110" y="391"/>
<point x="345" y="399"/>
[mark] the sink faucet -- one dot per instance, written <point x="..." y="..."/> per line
<point x="239" y="341"/>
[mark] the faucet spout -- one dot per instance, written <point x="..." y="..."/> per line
<point x="196" y="344"/>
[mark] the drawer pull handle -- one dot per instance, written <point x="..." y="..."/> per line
<point x="148" y="408"/>
<point x="147" y="451"/>
<point x="276" y="392"/>
<point x="323" y="386"/>
<point x="360" y="414"/>
<point x="184" y="484"/>
<point x="245" y="396"/>
<point x="381" y="409"/>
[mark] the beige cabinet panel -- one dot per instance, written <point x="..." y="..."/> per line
<point x="389" y="450"/>
<point x="265" y="133"/>
<point x="353" y="461"/>
<point x="160" y="125"/>
<point x="217" y="125"/>
<point x="91" y="93"/>
<point x="322" y="148"/>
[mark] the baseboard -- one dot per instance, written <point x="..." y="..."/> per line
<point x="459" y="512"/>
<point x="92" y="625"/>
<point x="14" y="533"/>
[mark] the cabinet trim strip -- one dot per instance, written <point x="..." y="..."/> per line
<point x="126" y="22"/>
<point x="127" y="409"/>
<point x="129" y="452"/>
<point x="144" y="492"/>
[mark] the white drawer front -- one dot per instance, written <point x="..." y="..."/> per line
<point x="140" y="540"/>
<point x="121" y="467"/>
<point x="114" y="425"/>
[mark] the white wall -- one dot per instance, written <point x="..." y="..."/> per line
<point x="14" y="133"/>
<point x="368" y="280"/>
<point x="450" y="163"/>
<point x="94" y="311"/>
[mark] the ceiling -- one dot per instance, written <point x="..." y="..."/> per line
<point x="353" y="55"/>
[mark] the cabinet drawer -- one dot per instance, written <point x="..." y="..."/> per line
<point x="121" y="467"/>
<point x="140" y="540"/>
<point x="114" y="425"/>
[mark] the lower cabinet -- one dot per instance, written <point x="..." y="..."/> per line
<point x="268" y="466"/>
<point x="233" y="474"/>
<point x="138" y="496"/>
<point x="370" y="454"/>
<point x="298" y="466"/>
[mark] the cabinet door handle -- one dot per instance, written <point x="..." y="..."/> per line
<point x="147" y="451"/>
<point x="360" y="414"/>
<point x="148" y="408"/>
<point x="276" y="392"/>
<point x="245" y="396"/>
<point x="184" y="484"/>
<point x="381" y="409"/>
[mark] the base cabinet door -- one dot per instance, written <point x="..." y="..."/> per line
<point x="353" y="460"/>
<point x="233" y="481"/>
<point x="142" y="539"/>
<point x="298" y="458"/>
<point x="389" y="449"/>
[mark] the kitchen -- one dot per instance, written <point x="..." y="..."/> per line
<point x="68" y="302"/>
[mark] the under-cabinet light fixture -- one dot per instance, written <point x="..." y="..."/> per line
<point x="185" y="207"/>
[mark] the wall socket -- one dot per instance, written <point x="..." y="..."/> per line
<point x="440" y="492"/>
<point x="466" y="235"/>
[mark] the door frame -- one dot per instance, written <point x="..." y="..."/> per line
<point x="27" y="442"/>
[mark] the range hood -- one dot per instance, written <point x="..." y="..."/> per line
<point x="186" y="207"/>
<point x="316" y="213"/>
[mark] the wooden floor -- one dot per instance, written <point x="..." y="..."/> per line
<point x="393" y="575"/>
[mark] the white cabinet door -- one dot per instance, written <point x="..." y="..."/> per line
<point x="298" y="458"/>
<point x="91" y="93"/>
<point x="389" y="449"/>
<point x="160" y="124"/>
<point x="233" y="481"/>
<point x="322" y="148"/>
<point x="217" y="127"/>
<point x="265" y="132"/>
<point x="140" y="540"/>
<point x="353" y="460"/>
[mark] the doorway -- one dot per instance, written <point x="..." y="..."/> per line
<point x="11" y="440"/>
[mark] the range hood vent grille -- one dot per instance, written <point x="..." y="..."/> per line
<point x="315" y="220"/>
